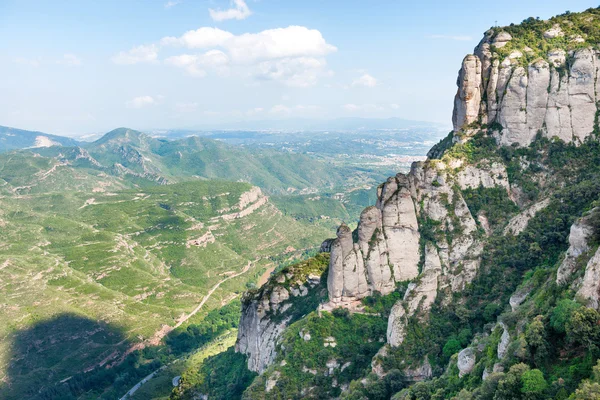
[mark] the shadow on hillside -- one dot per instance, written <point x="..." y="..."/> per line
<point x="51" y="351"/>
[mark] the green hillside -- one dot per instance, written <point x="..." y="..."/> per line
<point x="160" y="160"/>
<point x="136" y="259"/>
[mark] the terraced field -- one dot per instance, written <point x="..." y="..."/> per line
<point x="138" y="261"/>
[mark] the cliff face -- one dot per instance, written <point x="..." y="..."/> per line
<point x="514" y="96"/>
<point x="267" y="312"/>
<point x="556" y="94"/>
<point x="431" y="230"/>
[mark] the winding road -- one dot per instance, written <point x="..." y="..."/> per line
<point x="165" y="330"/>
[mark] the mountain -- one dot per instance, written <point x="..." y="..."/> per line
<point x="475" y="275"/>
<point x="165" y="161"/>
<point x="11" y="139"/>
<point x="88" y="277"/>
<point x="123" y="255"/>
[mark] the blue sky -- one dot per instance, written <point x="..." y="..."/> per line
<point x="77" y="67"/>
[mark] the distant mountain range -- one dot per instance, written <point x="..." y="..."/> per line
<point x="12" y="138"/>
<point x="136" y="158"/>
<point x="308" y="125"/>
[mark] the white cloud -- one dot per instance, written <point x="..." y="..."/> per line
<point x="294" y="55"/>
<point x="365" y="80"/>
<point x="282" y="110"/>
<point x="462" y="38"/>
<point x="394" y="106"/>
<point x="239" y="11"/>
<point x="170" y="4"/>
<point x="297" y="72"/>
<point x="195" y="64"/>
<point x="199" y="39"/>
<point x="141" y="102"/>
<point x="139" y="54"/>
<point x="293" y="41"/>
<point x="70" y="60"/>
<point x="255" y="111"/>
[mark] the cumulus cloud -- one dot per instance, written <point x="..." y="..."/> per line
<point x="139" y="54"/>
<point x="199" y="39"/>
<point x="70" y="60"/>
<point x="294" y="55"/>
<point x="462" y="38"/>
<point x="239" y="11"/>
<point x="141" y="102"/>
<point x="298" y="72"/>
<point x="365" y="80"/>
<point x="195" y="64"/>
<point x="293" y="41"/>
<point x="394" y="106"/>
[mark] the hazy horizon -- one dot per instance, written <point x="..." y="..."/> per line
<point x="88" y="67"/>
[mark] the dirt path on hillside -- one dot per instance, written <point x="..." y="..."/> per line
<point x="160" y="334"/>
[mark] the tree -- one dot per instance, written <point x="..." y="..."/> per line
<point x="583" y="327"/>
<point x="535" y="335"/>
<point x="534" y="384"/>
<point x="451" y="347"/>
<point x="587" y="391"/>
<point x="562" y="314"/>
<point x="509" y="388"/>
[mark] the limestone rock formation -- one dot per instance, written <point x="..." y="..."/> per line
<point x="578" y="244"/>
<point x="590" y="286"/>
<point x="504" y="341"/>
<point x="518" y="223"/>
<point x="527" y="99"/>
<point x="466" y="361"/>
<point x="267" y="312"/>
<point x="386" y="250"/>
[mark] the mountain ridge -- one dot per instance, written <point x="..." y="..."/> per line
<point x="460" y="256"/>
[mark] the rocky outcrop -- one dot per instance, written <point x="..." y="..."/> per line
<point x="579" y="253"/>
<point x="578" y="244"/>
<point x="589" y="290"/>
<point x="466" y="361"/>
<point x="549" y="95"/>
<point x="420" y="294"/>
<point x="385" y="249"/>
<point x="519" y="297"/>
<point x="267" y="312"/>
<point x="504" y="342"/>
<point x="518" y="223"/>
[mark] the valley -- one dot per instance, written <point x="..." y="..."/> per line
<point x="141" y="234"/>
<point x="287" y="235"/>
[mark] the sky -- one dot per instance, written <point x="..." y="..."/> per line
<point x="89" y="66"/>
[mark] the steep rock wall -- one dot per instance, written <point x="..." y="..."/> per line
<point x="267" y="312"/>
<point x="556" y="94"/>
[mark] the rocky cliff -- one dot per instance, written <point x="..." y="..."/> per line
<point x="486" y="245"/>
<point x="267" y="312"/>
<point x="551" y="88"/>
<point x="515" y="94"/>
